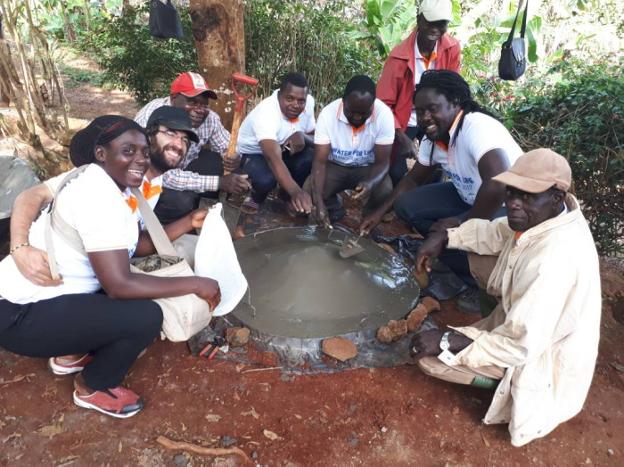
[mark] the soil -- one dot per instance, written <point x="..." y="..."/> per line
<point x="393" y="416"/>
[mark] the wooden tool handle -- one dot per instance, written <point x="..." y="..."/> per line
<point x="236" y="123"/>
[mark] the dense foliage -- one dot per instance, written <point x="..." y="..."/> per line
<point x="306" y="36"/>
<point x="579" y="112"/>
<point x="132" y="59"/>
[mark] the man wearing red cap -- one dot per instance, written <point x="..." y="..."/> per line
<point x="538" y="348"/>
<point x="428" y="47"/>
<point x="201" y="170"/>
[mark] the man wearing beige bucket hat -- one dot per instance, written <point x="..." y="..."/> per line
<point x="538" y="348"/>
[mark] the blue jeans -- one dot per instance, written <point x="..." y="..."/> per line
<point x="424" y="206"/>
<point x="262" y="178"/>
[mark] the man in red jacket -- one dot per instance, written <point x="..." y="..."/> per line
<point x="426" y="48"/>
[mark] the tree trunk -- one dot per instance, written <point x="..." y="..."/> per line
<point x="219" y="33"/>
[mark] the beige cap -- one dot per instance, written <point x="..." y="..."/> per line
<point x="537" y="171"/>
<point x="437" y="10"/>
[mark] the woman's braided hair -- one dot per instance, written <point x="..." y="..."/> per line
<point x="456" y="90"/>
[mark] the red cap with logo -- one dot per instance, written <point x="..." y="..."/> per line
<point x="191" y="84"/>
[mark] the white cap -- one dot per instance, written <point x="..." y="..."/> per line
<point x="437" y="10"/>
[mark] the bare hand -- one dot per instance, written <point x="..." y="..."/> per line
<point x="426" y="343"/>
<point x="231" y="163"/>
<point x="443" y="224"/>
<point x="406" y="145"/>
<point x="33" y="264"/>
<point x="296" y="143"/>
<point x="363" y="191"/>
<point x="235" y="184"/>
<point x="429" y="250"/>
<point x="197" y="217"/>
<point x="208" y="289"/>
<point x="322" y="216"/>
<point x="301" y="201"/>
<point x="371" y="221"/>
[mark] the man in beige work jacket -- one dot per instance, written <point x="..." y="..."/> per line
<point x="538" y="348"/>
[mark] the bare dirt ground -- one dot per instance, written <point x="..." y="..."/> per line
<point x="393" y="416"/>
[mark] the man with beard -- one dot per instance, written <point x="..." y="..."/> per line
<point x="200" y="174"/>
<point x="170" y="134"/>
<point x="428" y="47"/>
<point x="538" y="348"/>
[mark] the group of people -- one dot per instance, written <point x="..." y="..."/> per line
<point x="501" y="219"/>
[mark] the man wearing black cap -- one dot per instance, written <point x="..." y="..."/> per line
<point x="170" y="132"/>
<point x="200" y="172"/>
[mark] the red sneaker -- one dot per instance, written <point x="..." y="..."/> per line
<point x="64" y="367"/>
<point x="117" y="402"/>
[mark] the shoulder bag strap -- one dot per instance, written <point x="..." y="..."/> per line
<point x="55" y="222"/>
<point x="524" y="19"/>
<point x="157" y="233"/>
<point x="513" y="26"/>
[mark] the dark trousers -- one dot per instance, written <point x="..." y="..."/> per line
<point x="339" y="178"/>
<point x="261" y="176"/>
<point x="113" y="331"/>
<point x="424" y="206"/>
<point x="174" y="204"/>
<point x="398" y="166"/>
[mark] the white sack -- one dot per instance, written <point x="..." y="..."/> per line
<point x="215" y="258"/>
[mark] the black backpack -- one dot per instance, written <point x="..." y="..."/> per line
<point x="164" y="20"/>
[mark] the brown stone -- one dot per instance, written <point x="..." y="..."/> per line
<point x="339" y="348"/>
<point x="237" y="337"/>
<point x="398" y="328"/>
<point x="384" y="335"/>
<point x="416" y="317"/>
<point x="431" y="304"/>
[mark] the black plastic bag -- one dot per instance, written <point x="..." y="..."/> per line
<point x="164" y="21"/>
<point x="512" y="63"/>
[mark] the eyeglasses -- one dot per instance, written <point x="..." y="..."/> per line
<point x="175" y="135"/>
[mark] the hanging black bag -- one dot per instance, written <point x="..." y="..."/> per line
<point x="512" y="63"/>
<point x="164" y="21"/>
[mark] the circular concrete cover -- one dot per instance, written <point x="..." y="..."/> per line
<point x="300" y="287"/>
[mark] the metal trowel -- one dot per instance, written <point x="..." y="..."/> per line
<point x="350" y="247"/>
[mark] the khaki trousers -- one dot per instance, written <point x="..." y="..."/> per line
<point x="460" y="374"/>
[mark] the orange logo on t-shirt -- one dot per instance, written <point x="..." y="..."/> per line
<point x="133" y="203"/>
<point x="150" y="190"/>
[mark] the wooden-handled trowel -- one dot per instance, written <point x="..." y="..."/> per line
<point x="231" y="213"/>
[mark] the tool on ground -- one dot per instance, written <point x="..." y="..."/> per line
<point x="231" y="210"/>
<point x="213" y="347"/>
<point x="350" y="247"/>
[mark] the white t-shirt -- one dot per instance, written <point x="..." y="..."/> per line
<point x="421" y="64"/>
<point x="93" y="205"/>
<point x="479" y="134"/>
<point x="354" y="147"/>
<point x="266" y="121"/>
<point x="151" y="190"/>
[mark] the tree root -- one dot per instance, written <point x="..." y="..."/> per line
<point x="184" y="446"/>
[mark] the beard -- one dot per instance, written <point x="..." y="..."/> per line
<point x="159" y="160"/>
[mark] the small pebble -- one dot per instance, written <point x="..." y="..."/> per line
<point x="383" y="429"/>
<point x="180" y="460"/>
<point x="227" y="441"/>
<point x="254" y="454"/>
<point x="610" y="451"/>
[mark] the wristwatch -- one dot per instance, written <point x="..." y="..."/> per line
<point x="444" y="342"/>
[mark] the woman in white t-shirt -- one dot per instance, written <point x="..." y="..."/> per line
<point x="109" y="329"/>
<point x="471" y="146"/>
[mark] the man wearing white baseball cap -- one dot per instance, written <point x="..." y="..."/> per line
<point x="538" y="348"/>
<point x="428" y="47"/>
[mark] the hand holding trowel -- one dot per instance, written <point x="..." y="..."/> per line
<point x="231" y="214"/>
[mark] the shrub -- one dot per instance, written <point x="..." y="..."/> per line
<point x="132" y="59"/>
<point x="578" y="110"/>
<point x="307" y="36"/>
